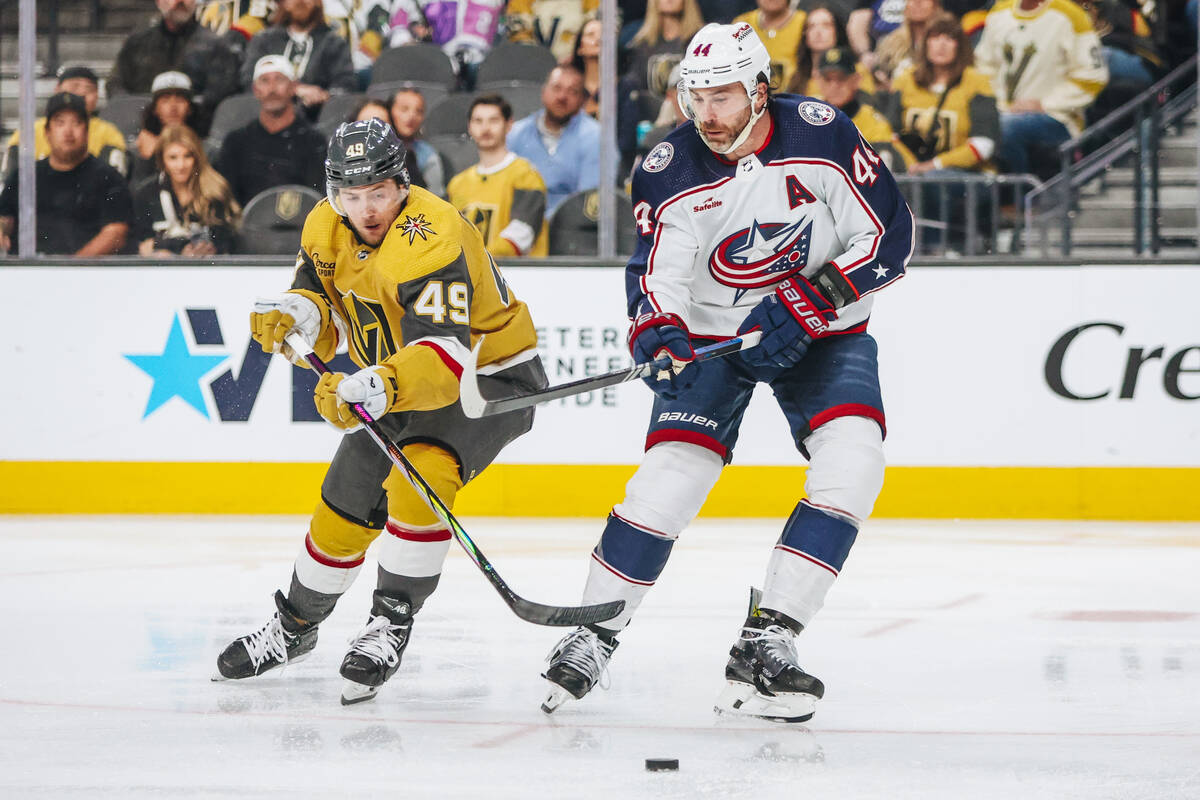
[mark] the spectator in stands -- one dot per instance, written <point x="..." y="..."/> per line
<point x="780" y="27"/>
<point x="170" y="104"/>
<point x="1043" y="59"/>
<point x="503" y="195"/>
<point x="942" y="106"/>
<point x="407" y="116"/>
<point x="279" y="147"/>
<point x="320" y="58"/>
<point x="83" y="204"/>
<point x="839" y="82"/>
<point x="370" y="108"/>
<point x="823" y="29"/>
<point x="899" y="49"/>
<point x="658" y="45"/>
<point x="1133" y="58"/>
<point x="187" y="208"/>
<point x="105" y="142"/>
<point x="561" y="143"/>
<point x="464" y="29"/>
<point x="555" y="24"/>
<point x="177" y="42"/>
<point x="586" y="59"/>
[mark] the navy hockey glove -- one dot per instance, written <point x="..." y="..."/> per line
<point x="789" y="318"/>
<point x="655" y="334"/>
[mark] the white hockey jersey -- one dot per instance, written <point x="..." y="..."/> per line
<point x="716" y="236"/>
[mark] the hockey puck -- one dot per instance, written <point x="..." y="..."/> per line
<point x="662" y="764"/>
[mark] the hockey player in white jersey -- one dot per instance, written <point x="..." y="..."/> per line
<point x="769" y="213"/>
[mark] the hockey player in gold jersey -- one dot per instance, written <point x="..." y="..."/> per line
<point x="400" y="278"/>
<point x="503" y="195"/>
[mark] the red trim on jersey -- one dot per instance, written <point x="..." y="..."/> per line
<point x="690" y="437"/>
<point x="330" y="561"/>
<point x="870" y="256"/>
<point x="976" y="152"/>
<point x="446" y="358"/>
<point x="848" y="410"/>
<point x="618" y="573"/>
<point x="658" y="212"/>
<point x="514" y="245"/>
<point x="642" y="528"/>
<point x="767" y="141"/>
<point x="806" y="557"/>
<point x="416" y="536"/>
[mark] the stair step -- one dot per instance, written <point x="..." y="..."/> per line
<point x="1107" y="237"/>
<point x="1113" y="215"/>
<point x="1167" y="176"/>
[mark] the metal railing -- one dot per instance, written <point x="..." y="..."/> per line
<point x="1132" y="130"/>
<point x="968" y="213"/>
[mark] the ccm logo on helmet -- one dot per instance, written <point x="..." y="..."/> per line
<point x="355" y="150"/>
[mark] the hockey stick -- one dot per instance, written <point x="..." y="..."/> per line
<point x="475" y="406"/>
<point x="527" y="610"/>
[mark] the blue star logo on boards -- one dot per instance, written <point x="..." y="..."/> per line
<point x="176" y="372"/>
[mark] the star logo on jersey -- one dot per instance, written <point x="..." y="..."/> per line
<point x="416" y="226"/>
<point x="176" y="372"/>
<point x="762" y="254"/>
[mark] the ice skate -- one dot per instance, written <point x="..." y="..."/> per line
<point x="576" y="664"/>
<point x="285" y="639"/>
<point x="375" y="652"/>
<point x="763" y="678"/>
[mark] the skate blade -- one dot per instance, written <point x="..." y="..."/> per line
<point x="555" y="698"/>
<point x="357" y="693"/>
<point x="743" y="700"/>
<point x="217" y="677"/>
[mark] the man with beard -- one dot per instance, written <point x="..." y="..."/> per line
<point x="177" y="42"/>
<point x="320" y="58"/>
<point x="561" y="143"/>
<point x="83" y="205"/>
<point x="502" y="195"/>
<point x="277" y="148"/>
<point x="407" y="111"/>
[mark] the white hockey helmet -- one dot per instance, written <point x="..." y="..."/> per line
<point x="719" y="55"/>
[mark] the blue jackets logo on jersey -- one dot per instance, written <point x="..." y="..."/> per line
<point x="659" y="157"/>
<point x="763" y="254"/>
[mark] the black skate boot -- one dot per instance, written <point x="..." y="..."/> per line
<point x="763" y="678"/>
<point x="375" y="652"/>
<point x="576" y="664"/>
<point x="285" y="639"/>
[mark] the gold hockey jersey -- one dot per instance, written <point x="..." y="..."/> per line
<point x="420" y="300"/>
<point x="1050" y="54"/>
<point x="966" y="129"/>
<point x="781" y="44"/>
<point x="104" y="141"/>
<point x="507" y="203"/>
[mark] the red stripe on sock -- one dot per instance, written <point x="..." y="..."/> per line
<point x="417" y="536"/>
<point x="329" y="561"/>
<point x="618" y="573"/>
<point x="806" y="557"/>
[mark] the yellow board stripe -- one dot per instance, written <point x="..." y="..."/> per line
<point x="556" y="490"/>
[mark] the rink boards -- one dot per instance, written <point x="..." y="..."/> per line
<point x="1034" y="392"/>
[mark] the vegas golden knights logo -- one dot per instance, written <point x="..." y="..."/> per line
<point x="591" y="206"/>
<point x="287" y="205"/>
<point x="369" y="331"/>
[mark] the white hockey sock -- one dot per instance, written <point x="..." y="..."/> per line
<point x="324" y="574"/>
<point x="414" y="551"/>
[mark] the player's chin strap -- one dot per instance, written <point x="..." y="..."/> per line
<point x="741" y="137"/>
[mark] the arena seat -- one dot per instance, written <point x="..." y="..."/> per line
<point x="273" y="219"/>
<point x="575" y="225"/>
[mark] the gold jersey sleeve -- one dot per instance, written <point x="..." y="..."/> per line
<point x="965" y="129"/>
<point x="105" y="142"/>
<point x="419" y="301"/>
<point x="878" y="133"/>
<point x="507" y="205"/>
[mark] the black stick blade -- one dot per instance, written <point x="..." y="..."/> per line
<point x="565" y="616"/>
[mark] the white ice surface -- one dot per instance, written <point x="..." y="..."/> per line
<point x="963" y="660"/>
